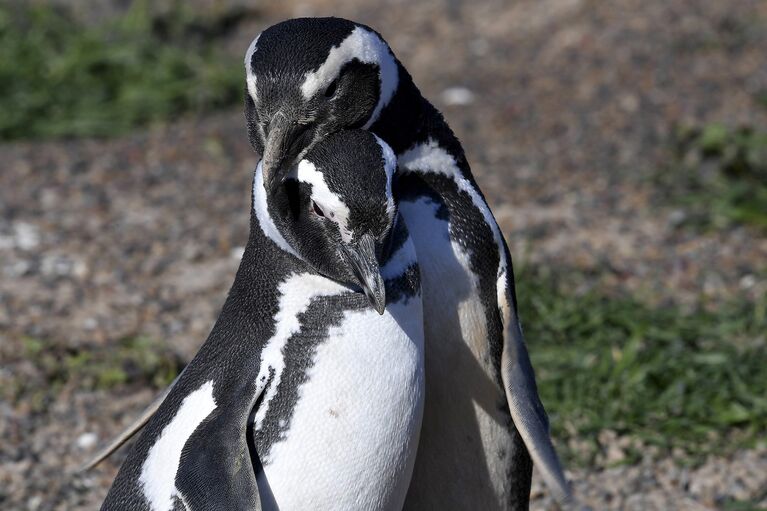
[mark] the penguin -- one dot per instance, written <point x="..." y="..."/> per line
<point x="484" y="423"/>
<point x="308" y="78"/>
<point x="309" y="391"/>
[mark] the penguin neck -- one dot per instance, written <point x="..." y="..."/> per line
<point x="264" y="263"/>
<point x="409" y="119"/>
<point x="261" y="219"/>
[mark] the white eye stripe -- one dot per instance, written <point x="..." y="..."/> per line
<point x="390" y="166"/>
<point x="330" y="203"/>
<point x="250" y="78"/>
<point x="366" y="47"/>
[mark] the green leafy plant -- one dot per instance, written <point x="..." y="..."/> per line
<point x="661" y="376"/>
<point x="59" y="78"/>
<point x="718" y="175"/>
<point x="135" y="360"/>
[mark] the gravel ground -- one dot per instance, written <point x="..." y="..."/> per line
<point x="565" y="107"/>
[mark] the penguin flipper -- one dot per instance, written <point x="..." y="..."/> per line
<point x="128" y="433"/>
<point x="521" y="390"/>
<point x="216" y="469"/>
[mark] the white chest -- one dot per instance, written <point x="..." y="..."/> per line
<point x="452" y="308"/>
<point x="354" y="430"/>
<point x="462" y="395"/>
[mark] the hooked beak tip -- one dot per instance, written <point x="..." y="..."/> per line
<point x="364" y="263"/>
<point x="379" y="304"/>
<point x="375" y="291"/>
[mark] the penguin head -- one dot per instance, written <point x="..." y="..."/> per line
<point x="310" y="77"/>
<point x="336" y="209"/>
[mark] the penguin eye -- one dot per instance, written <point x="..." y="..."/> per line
<point x="331" y="90"/>
<point x="318" y="210"/>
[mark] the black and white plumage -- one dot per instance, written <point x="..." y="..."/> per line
<point x="308" y="78"/>
<point x="308" y="393"/>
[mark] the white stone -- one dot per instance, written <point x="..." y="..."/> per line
<point x="457" y="96"/>
<point x="87" y="440"/>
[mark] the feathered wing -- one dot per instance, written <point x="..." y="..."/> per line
<point x="216" y="469"/>
<point x="521" y="390"/>
<point x="194" y="448"/>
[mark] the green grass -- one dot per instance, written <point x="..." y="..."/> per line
<point x="693" y="381"/>
<point x="761" y="98"/>
<point x="739" y="505"/>
<point x="132" y="361"/>
<point x="718" y="175"/>
<point x="62" y="79"/>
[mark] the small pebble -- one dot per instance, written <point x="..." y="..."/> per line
<point x="34" y="503"/>
<point x="747" y="281"/>
<point x="27" y="236"/>
<point x="457" y="96"/>
<point x="87" y="440"/>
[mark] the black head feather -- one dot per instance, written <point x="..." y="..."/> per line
<point x="310" y="77"/>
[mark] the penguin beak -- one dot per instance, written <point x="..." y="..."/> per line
<point x="285" y="141"/>
<point x="364" y="263"/>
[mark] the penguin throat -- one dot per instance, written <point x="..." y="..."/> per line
<point x="265" y="221"/>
